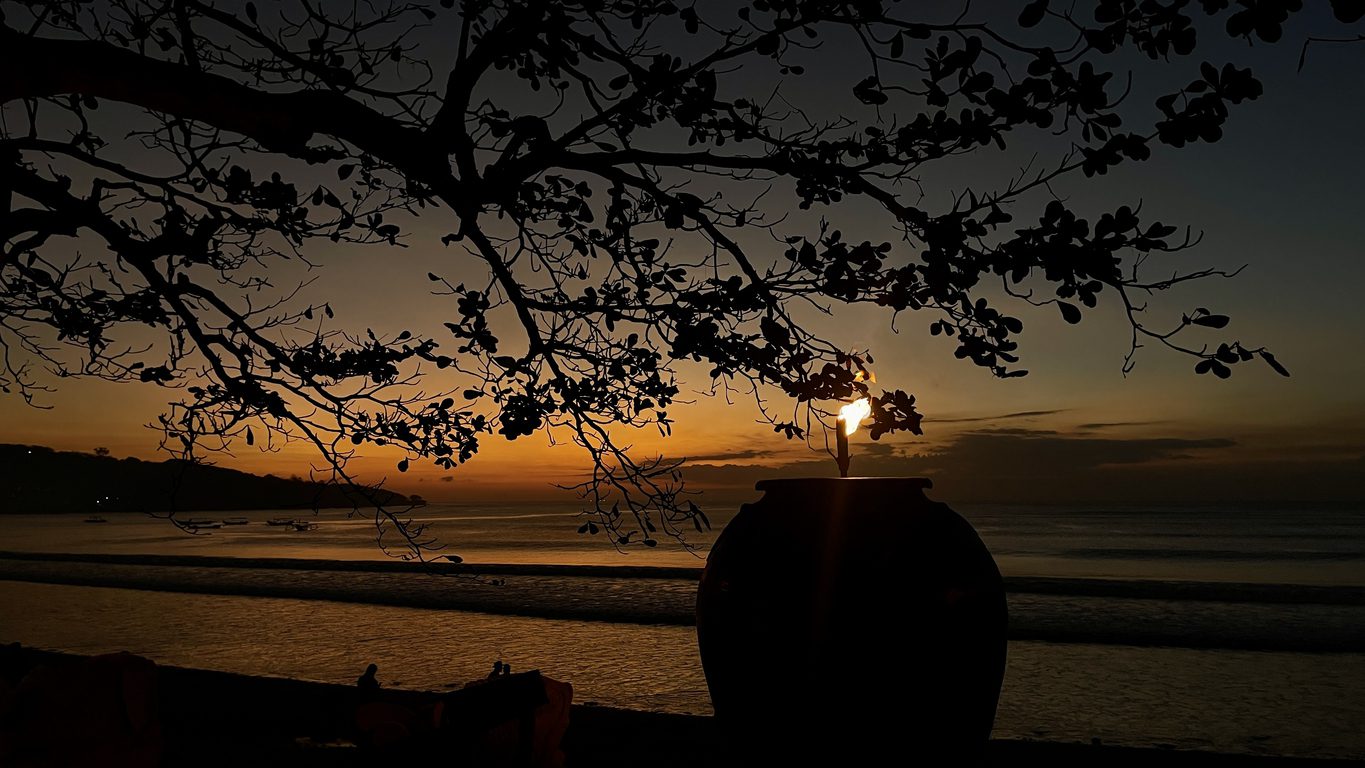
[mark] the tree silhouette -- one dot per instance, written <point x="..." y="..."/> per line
<point x="626" y="185"/>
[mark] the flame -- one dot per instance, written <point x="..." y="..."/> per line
<point x="852" y="415"/>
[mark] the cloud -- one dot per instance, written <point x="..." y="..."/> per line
<point x="999" y="417"/>
<point x="1045" y="467"/>
<point x="1041" y="453"/>
<point x="734" y="455"/>
<point x="880" y="450"/>
<point x="1096" y="425"/>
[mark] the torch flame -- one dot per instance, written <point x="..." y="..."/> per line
<point x="852" y="415"/>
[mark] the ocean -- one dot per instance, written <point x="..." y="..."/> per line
<point x="1231" y="630"/>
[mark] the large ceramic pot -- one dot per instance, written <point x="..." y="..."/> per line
<point x="854" y="619"/>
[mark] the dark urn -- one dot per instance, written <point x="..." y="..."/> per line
<point x="852" y="619"/>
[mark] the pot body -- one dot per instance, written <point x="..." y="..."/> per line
<point x="844" y="618"/>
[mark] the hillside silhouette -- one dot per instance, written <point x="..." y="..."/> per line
<point x="35" y="479"/>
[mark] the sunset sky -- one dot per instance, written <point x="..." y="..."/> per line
<point x="1281" y="193"/>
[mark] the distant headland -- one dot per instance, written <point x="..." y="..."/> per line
<point x="35" y="479"/>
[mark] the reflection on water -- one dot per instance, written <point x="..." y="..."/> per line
<point x="1182" y="614"/>
<point x="1291" y="546"/>
<point x="1234" y="701"/>
<point x="1247" y="701"/>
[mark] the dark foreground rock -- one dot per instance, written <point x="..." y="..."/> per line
<point x="206" y="718"/>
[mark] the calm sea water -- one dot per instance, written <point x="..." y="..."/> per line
<point x="1229" y="630"/>
<point x="1285" y="546"/>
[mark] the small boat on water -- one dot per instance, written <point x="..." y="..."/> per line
<point x="279" y="521"/>
<point x="235" y="521"/>
<point x="304" y="525"/>
<point x="202" y="523"/>
<point x="95" y="519"/>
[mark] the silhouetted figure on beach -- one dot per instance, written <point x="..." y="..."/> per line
<point x="500" y="668"/>
<point x="368" y="682"/>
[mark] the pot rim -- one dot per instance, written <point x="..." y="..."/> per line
<point x="811" y="483"/>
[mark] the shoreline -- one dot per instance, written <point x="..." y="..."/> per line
<point x="1150" y="589"/>
<point x="1187" y="615"/>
